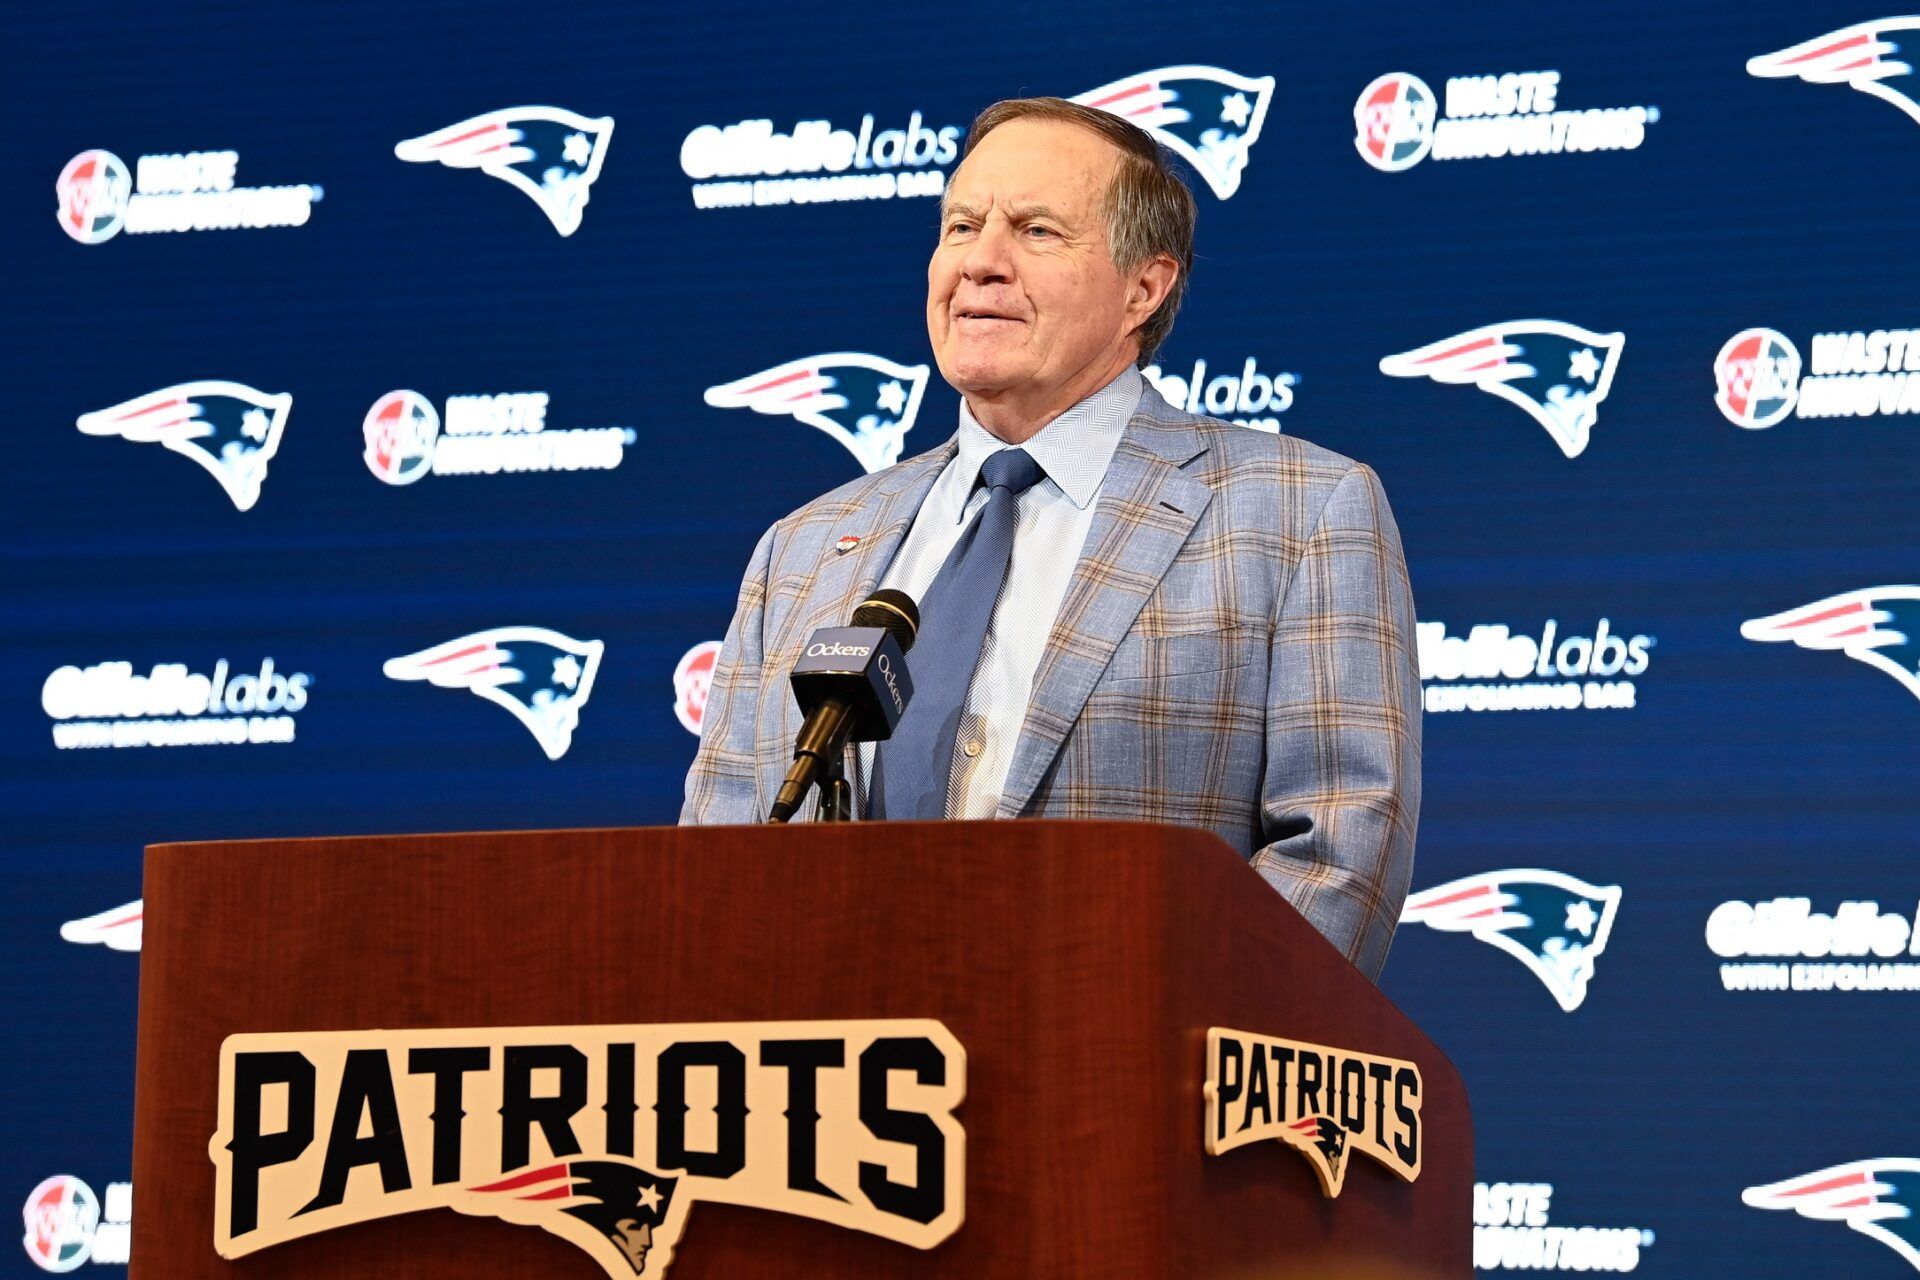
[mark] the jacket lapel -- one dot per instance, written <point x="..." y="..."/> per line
<point x="879" y="516"/>
<point x="1147" y="508"/>
<point x="880" y="520"/>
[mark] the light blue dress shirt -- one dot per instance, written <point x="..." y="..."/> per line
<point x="1054" y="517"/>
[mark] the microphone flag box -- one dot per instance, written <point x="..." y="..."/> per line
<point x="862" y="666"/>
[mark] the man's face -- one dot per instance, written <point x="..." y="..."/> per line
<point x="1023" y="298"/>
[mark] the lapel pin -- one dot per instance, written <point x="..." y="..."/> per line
<point x="847" y="543"/>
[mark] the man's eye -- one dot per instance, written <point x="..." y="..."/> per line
<point x="958" y="228"/>
<point x="1037" y="232"/>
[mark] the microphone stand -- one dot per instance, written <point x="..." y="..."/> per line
<point x="836" y="793"/>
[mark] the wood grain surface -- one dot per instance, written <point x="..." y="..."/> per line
<point x="1079" y="964"/>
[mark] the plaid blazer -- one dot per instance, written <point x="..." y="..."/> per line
<point x="1235" y="652"/>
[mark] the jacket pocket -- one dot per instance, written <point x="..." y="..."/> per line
<point x="1139" y="657"/>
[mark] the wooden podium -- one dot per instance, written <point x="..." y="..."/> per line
<point x="1078" y="965"/>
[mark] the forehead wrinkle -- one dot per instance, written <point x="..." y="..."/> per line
<point x="1014" y="212"/>
<point x="1027" y="212"/>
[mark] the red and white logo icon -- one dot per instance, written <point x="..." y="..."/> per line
<point x="61" y="1217"/>
<point x="400" y="432"/>
<point x="692" y="679"/>
<point x="1393" y="121"/>
<point x="1756" y="378"/>
<point x="94" y="189"/>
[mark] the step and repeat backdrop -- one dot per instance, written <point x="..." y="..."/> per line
<point x="398" y="391"/>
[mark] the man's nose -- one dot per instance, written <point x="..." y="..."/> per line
<point x="989" y="258"/>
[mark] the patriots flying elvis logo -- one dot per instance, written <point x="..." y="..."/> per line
<point x="1554" y="924"/>
<point x="542" y="677"/>
<point x="1874" y="1197"/>
<point x="118" y="928"/>
<point x="1879" y="626"/>
<point x="1211" y="118"/>
<point x="618" y="1211"/>
<point x="1558" y="372"/>
<point x="1861" y="55"/>
<point x="865" y="402"/>
<point x="549" y="153"/>
<point x="228" y="428"/>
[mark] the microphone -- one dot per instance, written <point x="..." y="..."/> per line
<point x="852" y="686"/>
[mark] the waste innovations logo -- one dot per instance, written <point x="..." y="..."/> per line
<point x="867" y="403"/>
<point x="1494" y="668"/>
<point x="110" y="705"/>
<point x="1859" y="946"/>
<point x="67" y="1227"/>
<point x="1877" y="1198"/>
<point x="1512" y="1232"/>
<point x="1393" y="121"/>
<point x="1559" y="373"/>
<point x="1555" y="924"/>
<point x="195" y="191"/>
<point x="228" y="429"/>
<point x="549" y="154"/>
<point x="484" y="435"/>
<point x="1756" y="378"/>
<point x="1208" y="116"/>
<point x="1853" y="373"/>
<point x="692" y="680"/>
<point x="1397" y="121"/>
<point x="117" y="928"/>
<point x="607" y="1136"/>
<point x="1245" y="397"/>
<point x="1860" y="56"/>
<point x="1879" y="626"/>
<point x="752" y="164"/>
<point x="542" y="678"/>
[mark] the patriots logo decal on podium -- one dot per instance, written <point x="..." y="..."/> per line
<point x="1554" y="924"/>
<point x="542" y="677"/>
<point x="1558" y="372"/>
<point x="1879" y="626"/>
<point x="1329" y="1140"/>
<point x="551" y="154"/>
<point x="618" y="1211"/>
<point x="1860" y="55"/>
<point x="865" y="402"/>
<point x="228" y="428"/>
<point x="1210" y="117"/>
<point x="1874" y="1197"/>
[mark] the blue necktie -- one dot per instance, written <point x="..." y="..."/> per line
<point x="912" y="768"/>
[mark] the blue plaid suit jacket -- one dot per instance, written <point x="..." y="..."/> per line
<point x="1235" y="652"/>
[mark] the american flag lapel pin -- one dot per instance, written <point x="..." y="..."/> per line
<point x="846" y="543"/>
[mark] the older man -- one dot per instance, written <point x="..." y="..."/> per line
<point x="1128" y="611"/>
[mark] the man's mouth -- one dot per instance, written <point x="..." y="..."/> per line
<point x="981" y="313"/>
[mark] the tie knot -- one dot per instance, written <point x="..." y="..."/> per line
<point x="1012" y="469"/>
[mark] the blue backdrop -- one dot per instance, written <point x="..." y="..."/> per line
<point x="1651" y="455"/>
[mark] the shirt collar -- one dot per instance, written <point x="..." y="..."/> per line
<point x="1074" y="449"/>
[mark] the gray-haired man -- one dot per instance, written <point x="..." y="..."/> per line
<point x="1145" y="614"/>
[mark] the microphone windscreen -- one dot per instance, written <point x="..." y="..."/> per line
<point x="893" y="610"/>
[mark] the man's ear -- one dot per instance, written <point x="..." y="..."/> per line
<point x="1149" y="286"/>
